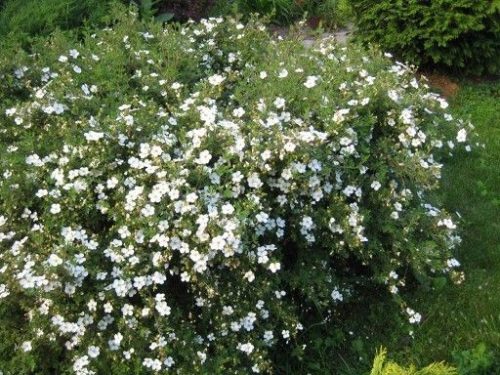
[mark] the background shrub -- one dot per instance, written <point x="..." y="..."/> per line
<point x="28" y="18"/>
<point x="204" y="198"/>
<point x="283" y="11"/>
<point x="25" y="19"/>
<point x="333" y="13"/>
<point x="330" y="13"/>
<point x="186" y="9"/>
<point x="457" y="35"/>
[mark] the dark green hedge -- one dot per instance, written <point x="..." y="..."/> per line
<point x="457" y="35"/>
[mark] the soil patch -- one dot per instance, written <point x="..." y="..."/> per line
<point x="444" y="84"/>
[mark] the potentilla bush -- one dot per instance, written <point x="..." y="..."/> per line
<point x="193" y="199"/>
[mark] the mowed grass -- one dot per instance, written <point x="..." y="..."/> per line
<point x="461" y="318"/>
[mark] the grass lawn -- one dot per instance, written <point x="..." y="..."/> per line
<point x="463" y="318"/>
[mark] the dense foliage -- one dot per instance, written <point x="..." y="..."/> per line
<point x="182" y="10"/>
<point x="197" y="198"/>
<point x="28" y="18"/>
<point x="458" y="35"/>
<point x="330" y="13"/>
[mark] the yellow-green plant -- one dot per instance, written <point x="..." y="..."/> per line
<point x="383" y="367"/>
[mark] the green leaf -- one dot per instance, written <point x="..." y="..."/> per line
<point x="164" y="17"/>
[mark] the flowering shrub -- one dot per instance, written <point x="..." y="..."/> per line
<point x="193" y="199"/>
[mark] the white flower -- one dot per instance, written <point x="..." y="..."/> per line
<point x="307" y="222"/>
<point x="10" y="111"/>
<point x="169" y="362"/>
<point x="376" y="185"/>
<point x="74" y="53"/>
<point x="393" y="94"/>
<point x="93" y="136"/>
<point x="207" y="114"/>
<point x="246" y="348"/>
<point x="290" y="146"/>
<point x="35" y="160"/>
<point x="216" y="79"/>
<point x="250" y="276"/>
<point x="80" y="365"/>
<point x="268" y="336"/>
<point x="311" y="81"/>
<point x="55" y="208"/>
<point x="93" y="351"/>
<point x="227" y="209"/>
<point x="443" y="103"/>
<point x="153" y="364"/>
<point x="248" y="321"/>
<point x="263" y="75"/>
<point x="448" y="223"/>
<point x="202" y="356"/>
<point x="238" y="112"/>
<point x="339" y="116"/>
<point x="148" y="211"/>
<point x="283" y="73"/>
<point x="127" y="310"/>
<point x="236" y="177"/>
<point x="279" y="103"/>
<point x="227" y="310"/>
<point x="112" y="182"/>
<point x="54" y="260"/>
<point x="217" y="243"/>
<point x="41" y="193"/>
<point x="4" y="291"/>
<point x="204" y="158"/>
<point x="162" y="308"/>
<point x="274" y="267"/>
<point x="336" y="295"/>
<point x="26" y="346"/>
<point x="262" y="217"/>
<point x="414" y="317"/>
<point x="462" y="136"/>
<point x="158" y="278"/>
<point x="254" y="181"/>
<point x="62" y="59"/>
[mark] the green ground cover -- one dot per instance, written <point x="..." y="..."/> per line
<point x="464" y="321"/>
